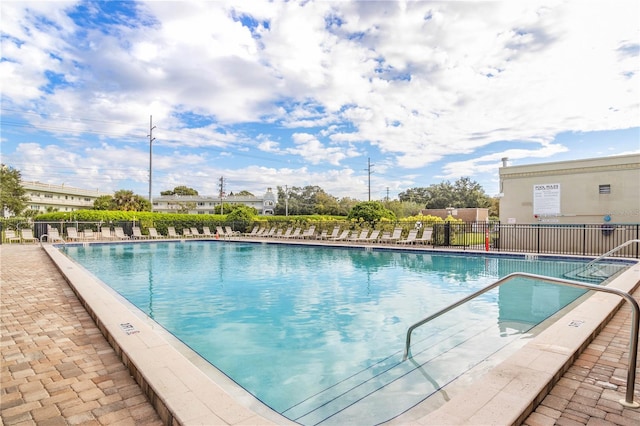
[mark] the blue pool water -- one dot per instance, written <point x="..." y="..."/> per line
<point x="318" y="333"/>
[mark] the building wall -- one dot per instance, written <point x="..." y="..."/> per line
<point x="465" y="214"/>
<point x="45" y="197"/>
<point x="202" y="204"/>
<point x="598" y="190"/>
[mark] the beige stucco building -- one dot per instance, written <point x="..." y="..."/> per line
<point x="46" y="197"/>
<point x="203" y="204"/>
<point x="592" y="191"/>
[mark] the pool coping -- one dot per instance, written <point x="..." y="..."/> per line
<point x="183" y="393"/>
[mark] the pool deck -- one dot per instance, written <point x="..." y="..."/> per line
<point x="58" y="368"/>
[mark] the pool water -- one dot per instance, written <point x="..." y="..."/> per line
<point x="317" y="333"/>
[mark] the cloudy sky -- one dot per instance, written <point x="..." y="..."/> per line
<point x="298" y="93"/>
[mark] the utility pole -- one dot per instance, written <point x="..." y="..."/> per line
<point x="221" y="194"/>
<point x="368" y="170"/>
<point x="387" y="193"/>
<point x="151" y="139"/>
<point x="286" y="200"/>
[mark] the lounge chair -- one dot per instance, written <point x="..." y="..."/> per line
<point x="323" y="235"/>
<point x="53" y="235"/>
<point x="72" y="234"/>
<point x="411" y="238"/>
<point x="278" y="233"/>
<point x="119" y="233"/>
<point x="206" y="232"/>
<point x="287" y="233"/>
<point x="11" y="236"/>
<point x="343" y="236"/>
<point x="253" y="231"/>
<point x="427" y="236"/>
<point x="26" y="236"/>
<point x="271" y="233"/>
<point x="186" y="233"/>
<point x="172" y="232"/>
<point x="105" y="233"/>
<point x="88" y="235"/>
<point x="373" y="237"/>
<point x="194" y="232"/>
<point x="296" y="233"/>
<point x="397" y="234"/>
<point x="230" y="232"/>
<point x="137" y="234"/>
<point x="220" y="232"/>
<point x="334" y="233"/>
<point x="309" y="233"/>
<point x="153" y="233"/>
<point x="359" y="237"/>
<point x="260" y="232"/>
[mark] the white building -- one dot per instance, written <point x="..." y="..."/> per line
<point x="598" y="190"/>
<point x="203" y="204"/>
<point x="46" y="197"/>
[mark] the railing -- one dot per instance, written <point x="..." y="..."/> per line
<point x="610" y="252"/>
<point x="635" y="318"/>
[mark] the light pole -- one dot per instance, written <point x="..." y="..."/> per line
<point x="151" y="139"/>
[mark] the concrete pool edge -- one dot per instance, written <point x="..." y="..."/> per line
<point x="181" y="392"/>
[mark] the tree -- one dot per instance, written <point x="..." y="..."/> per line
<point x="371" y="212"/>
<point x="128" y="201"/>
<point x="12" y="193"/>
<point x="180" y="190"/>
<point x="463" y="193"/>
<point x="244" y="193"/>
<point x="242" y="216"/>
<point x="103" y="202"/>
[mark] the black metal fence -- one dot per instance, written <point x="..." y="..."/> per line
<point x="575" y="239"/>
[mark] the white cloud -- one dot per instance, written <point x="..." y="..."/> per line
<point x="326" y="83"/>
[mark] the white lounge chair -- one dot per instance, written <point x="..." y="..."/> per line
<point x="88" y="235"/>
<point x="72" y="234"/>
<point x="186" y="233"/>
<point x="309" y="232"/>
<point x="334" y="233"/>
<point x="153" y="233"/>
<point x="373" y="237"/>
<point x="172" y="232"/>
<point x="230" y="232"/>
<point x="343" y="236"/>
<point x="287" y="233"/>
<point x="26" y="236"/>
<point x="105" y="233"/>
<point x="271" y="233"/>
<point x="137" y="234"/>
<point x="53" y="235"/>
<point x="194" y="232"/>
<point x="397" y="234"/>
<point x="253" y="232"/>
<point x="411" y="238"/>
<point x="296" y="233"/>
<point x="427" y="236"/>
<point x="119" y="233"/>
<point x="206" y="232"/>
<point x="360" y="237"/>
<point x="10" y="236"/>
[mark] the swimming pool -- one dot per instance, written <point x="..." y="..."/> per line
<point x="317" y="333"/>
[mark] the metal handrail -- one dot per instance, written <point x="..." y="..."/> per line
<point x="635" y="319"/>
<point x="613" y="250"/>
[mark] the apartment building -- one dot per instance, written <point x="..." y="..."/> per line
<point x="46" y="197"/>
<point x="204" y="204"/>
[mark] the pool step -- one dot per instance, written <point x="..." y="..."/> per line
<point x="595" y="273"/>
<point x="436" y="361"/>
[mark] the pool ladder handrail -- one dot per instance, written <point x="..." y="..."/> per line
<point x="635" y="319"/>
<point x="613" y="250"/>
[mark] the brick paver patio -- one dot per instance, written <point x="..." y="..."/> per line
<point x="57" y="369"/>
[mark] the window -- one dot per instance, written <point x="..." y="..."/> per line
<point x="604" y="189"/>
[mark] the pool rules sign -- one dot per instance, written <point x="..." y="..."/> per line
<point x="546" y="200"/>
